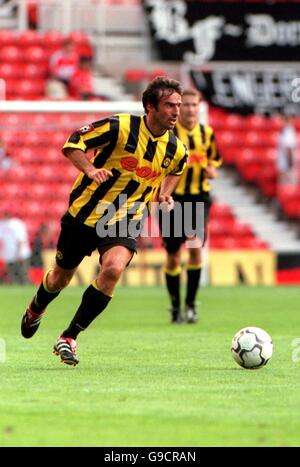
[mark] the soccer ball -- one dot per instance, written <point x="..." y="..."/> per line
<point x="252" y="348"/>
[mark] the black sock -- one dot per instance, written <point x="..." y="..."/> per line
<point x="43" y="297"/>
<point x="92" y="304"/>
<point x="193" y="284"/>
<point x="173" y="286"/>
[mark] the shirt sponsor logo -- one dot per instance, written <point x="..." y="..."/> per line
<point x="130" y="163"/>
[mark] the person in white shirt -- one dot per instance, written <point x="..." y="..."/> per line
<point x="287" y="153"/>
<point x="5" y="160"/>
<point x="15" y="249"/>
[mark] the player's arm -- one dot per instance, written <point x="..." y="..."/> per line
<point x="170" y="182"/>
<point x="211" y="171"/>
<point x="167" y="187"/>
<point x="81" y="162"/>
<point x="214" y="160"/>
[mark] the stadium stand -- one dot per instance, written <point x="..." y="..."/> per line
<point x="45" y="177"/>
<point x="24" y="60"/>
<point x="249" y="145"/>
<point x="35" y="140"/>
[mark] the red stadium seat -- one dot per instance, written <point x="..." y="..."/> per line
<point x="34" y="190"/>
<point x="36" y="54"/>
<point x="289" y="198"/>
<point x="227" y="243"/>
<point x="35" y="139"/>
<point x="57" y="209"/>
<point x="61" y="191"/>
<point x="11" y="189"/>
<point x="29" y="38"/>
<point x="287" y="191"/>
<point x="297" y="123"/>
<point x="13" y="120"/>
<point x="226" y="138"/>
<point x="136" y="75"/>
<point x="156" y="72"/>
<point x="256" y="122"/>
<point x="82" y="43"/>
<point x="43" y="120"/>
<point x="267" y="180"/>
<point x="275" y="123"/>
<point x="222" y="211"/>
<point x="53" y="40"/>
<point x="221" y="226"/>
<point x="59" y="138"/>
<point x="8" y="70"/>
<point x="7" y="37"/>
<point x="52" y="155"/>
<point x="33" y="225"/>
<point x="248" y="164"/>
<point x="35" y="70"/>
<point x="23" y="88"/>
<point x="240" y="230"/>
<point x="11" y="53"/>
<point x="32" y="88"/>
<point x="25" y="155"/>
<point x="233" y="121"/>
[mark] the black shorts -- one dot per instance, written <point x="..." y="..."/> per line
<point x="173" y="237"/>
<point x="77" y="240"/>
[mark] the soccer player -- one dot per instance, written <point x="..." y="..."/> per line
<point x="193" y="188"/>
<point x="132" y="157"/>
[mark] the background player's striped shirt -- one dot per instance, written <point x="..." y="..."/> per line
<point x="202" y="149"/>
<point x="138" y="160"/>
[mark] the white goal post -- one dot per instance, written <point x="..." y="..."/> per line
<point x="113" y="107"/>
<point x="71" y="106"/>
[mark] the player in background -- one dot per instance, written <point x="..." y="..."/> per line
<point x="193" y="187"/>
<point x="132" y="157"/>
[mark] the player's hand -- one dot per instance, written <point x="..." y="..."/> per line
<point x="166" y="203"/>
<point x="211" y="171"/>
<point x="99" y="175"/>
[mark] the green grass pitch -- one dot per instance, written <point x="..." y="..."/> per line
<point x="144" y="382"/>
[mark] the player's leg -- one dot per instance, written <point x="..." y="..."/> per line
<point x="74" y="243"/>
<point x="94" y="300"/>
<point x="53" y="282"/>
<point x="172" y="277"/>
<point x="194" y="268"/>
<point x="172" y="244"/>
<point x="98" y="294"/>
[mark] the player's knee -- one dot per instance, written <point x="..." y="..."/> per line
<point x="173" y="261"/>
<point x="58" y="281"/>
<point x="195" y="255"/>
<point x="112" y="271"/>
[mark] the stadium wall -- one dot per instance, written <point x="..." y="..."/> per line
<point x="224" y="268"/>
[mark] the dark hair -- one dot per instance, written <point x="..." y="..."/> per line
<point x="158" y="87"/>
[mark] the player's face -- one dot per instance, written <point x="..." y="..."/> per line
<point x="189" y="110"/>
<point x="166" y="113"/>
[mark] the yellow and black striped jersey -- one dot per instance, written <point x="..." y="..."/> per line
<point x="202" y="149"/>
<point x="138" y="160"/>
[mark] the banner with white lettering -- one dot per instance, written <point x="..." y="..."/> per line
<point x="267" y="91"/>
<point x="198" y="32"/>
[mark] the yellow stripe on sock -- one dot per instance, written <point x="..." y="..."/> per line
<point x="94" y="284"/>
<point x="193" y="267"/>
<point x="45" y="283"/>
<point x="173" y="272"/>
